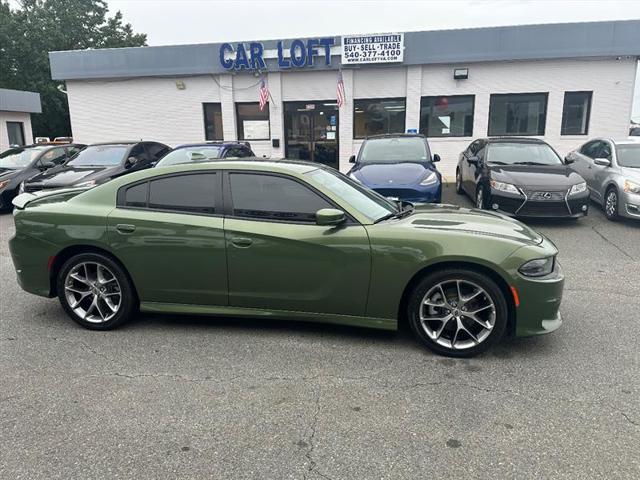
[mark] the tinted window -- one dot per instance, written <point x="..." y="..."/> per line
<point x="72" y="150"/>
<point x="447" y="116"/>
<point x="184" y="193"/>
<point x="156" y="150"/>
<point x="100" y="155"/>
<point x="190" y="154"/>
<point x="274" y="198"/>
<point x="238" y="152"/>
<point x="394" y="150"/>
<point x="575" y="113"/>
<point x="136" y="196"/>
<point x="605" y="151"/>
<point x="378" y="116"/>
<point x="590" y="149"/>
<point x="212" y="121"/>
<point x="522" y="154"/>
<point x="253" y="123"/>
<point x="518" y="114"/>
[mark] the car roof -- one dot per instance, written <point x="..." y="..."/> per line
<point x="621" y="141"/>
<point x="267" y="164"/>
<point x="514" y="140"/>
<point x="213" y="144"/>
<point x="395" y="135"/>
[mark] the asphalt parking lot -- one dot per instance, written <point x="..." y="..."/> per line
<point x="176" y="397"/>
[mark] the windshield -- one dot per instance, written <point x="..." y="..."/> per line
<point x="19" y="157"/>
<point x="394" y="150"/>
<point x="190" y="154"/>
<point x="362" y="199"/>
<point x="628" y="155"/>
<point x="99" y="156"/>
<point x="522" y="154"/>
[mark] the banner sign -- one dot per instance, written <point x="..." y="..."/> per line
<point x="385" y="48"/>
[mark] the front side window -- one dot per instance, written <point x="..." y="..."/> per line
<point x="591" y="149"/>
<point x="505" y="153"/>
<point x="575" y="113"/>
<point x="212" y="121"/>
<point x="156" y="150"/>
<point x="272" y="197"/>
<point x="394" y="150"/>
<point x="192" y="193"/>
<point x="237" y="152"/>
<point x="378" y="116"/>
<point x="517" y="114"/>
<point x="253" y="124"/>
<point x="447" y="116"/>
<point x="15" y="130"/>
<point x="99" y="156"/>
<point x="56" y="156"/>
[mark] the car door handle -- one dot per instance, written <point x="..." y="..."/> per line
<point x="241" y="242"/>
<point x="125" y="228"/>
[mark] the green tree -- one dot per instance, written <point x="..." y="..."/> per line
<point x="37" y="27"/>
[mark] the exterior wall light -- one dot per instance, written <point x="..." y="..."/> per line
<point x="180" y="85"/>
<point x="460" y="73"/>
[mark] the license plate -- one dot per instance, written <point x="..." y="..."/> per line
<point x="393" y="199"/>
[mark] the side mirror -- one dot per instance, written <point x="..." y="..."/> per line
<point x="47" y="165"/>
<point x="131" y="161"/>
<point x="436" y="158"/>
<point x="473" y="160"/>
<point x="330" y="216"/>
<point x="568" y="160"/>
<point x="603" y="162"/>
<point x="352" y="159"/>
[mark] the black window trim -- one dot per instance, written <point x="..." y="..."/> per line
<point x="473" y="114"/>
<point x="564" y="106"/>
<point x="218" y="206"/>
<point x="544" y="123"/>
<point x="204" y="122"/>
<point x="243" y="139"/>
<point x="228" y="201"/>
<point x="381" y="100"/>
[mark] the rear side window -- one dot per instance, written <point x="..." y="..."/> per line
<point x="193" y="193"/>
<point x="273" y="197"/>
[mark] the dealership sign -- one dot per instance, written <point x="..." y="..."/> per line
<point x="384" y="48"/>
<point x="298" y="53"/>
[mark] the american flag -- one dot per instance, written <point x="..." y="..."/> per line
<point x="264" y="93"/>
<point x="340" y="90"/>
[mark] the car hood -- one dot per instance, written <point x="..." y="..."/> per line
<point x="630" y="173"/>
<point x="391" y="174"/>
<point x="536" y="175"/>
<point x="7" y="173"/>
<point x="65" y="176"/>
<point x="452" y="218"/>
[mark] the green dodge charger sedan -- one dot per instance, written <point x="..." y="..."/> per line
<point x="290" y="240"/>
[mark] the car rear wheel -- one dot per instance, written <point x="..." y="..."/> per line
<point x="611" y="204"/>
<point x="459" y="182"/>
<point x="95" y="291"/>
<point x="458" y="313"/>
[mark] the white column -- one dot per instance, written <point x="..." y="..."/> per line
<point x="414" y="92"/>
<point x="345" y="120"/>
<point x="276" y="115"/>
<point x="228" y="107"/>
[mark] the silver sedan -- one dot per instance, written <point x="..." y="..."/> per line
<point x="612" y="171"/>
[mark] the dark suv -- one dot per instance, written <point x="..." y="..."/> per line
<point x="98" y="164"/>
<point x="204" y="152"/>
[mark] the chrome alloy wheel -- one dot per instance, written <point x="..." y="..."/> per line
<point x="457" y="314"/>
<point x="611" y="204"/>
<point x="93" y="292"/>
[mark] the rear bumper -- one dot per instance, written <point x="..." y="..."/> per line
<point x="30" y="260"/>
<point x="519" y="206"/>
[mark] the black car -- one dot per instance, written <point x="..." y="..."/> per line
<point x="99" y="163"/>
<point x="522" y="177"/>
<point x="20" y="163"/>
<point x="203" y="152"/>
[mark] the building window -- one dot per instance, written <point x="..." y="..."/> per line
<point x="212" y="121"/>
<point x="253" y="124"/>
<point x="447" y="116"/>
<point x="378" y="116"/>
<point x="517" y="114"/>
<point x="15" y="130"/>
<point x="575" y="113"/>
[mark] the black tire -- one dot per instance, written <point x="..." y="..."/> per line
<point x="127" y="307"/>
<point x="459" y="189"/>
<point x="611" y="212"/>
<point x="481" y="202"/>
<point x="468" y="277"/>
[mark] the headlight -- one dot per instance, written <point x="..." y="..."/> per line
<point x="578" y="188"/>
<point x="631" y="187"/>
<point x="353" y="177"/>
<point x="429" y="179"/>
<point x="4" y="183"/>
<point x="21" y="188"/>
<point x="504" y="187"/>
<point x="538" y="267"/>
<point x="90" y="183"/>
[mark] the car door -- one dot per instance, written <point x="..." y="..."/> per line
<point x="472" y="169"/>
<point x="599" y="173"/>
<point x="589" y="153"/>
<point x="464" y="165"/>
<point x="169" y="234"/>
<point x="279" y="259"/>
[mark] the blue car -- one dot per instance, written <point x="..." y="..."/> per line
<point x="399" y="167"/>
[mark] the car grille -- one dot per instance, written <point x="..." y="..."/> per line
<point x="399" y="192"/>
<point x="547" y="196"/>
<point x="544" y="209"/>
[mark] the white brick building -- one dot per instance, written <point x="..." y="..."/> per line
<point x="561" y="83"/>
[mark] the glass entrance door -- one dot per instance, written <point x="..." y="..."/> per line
<point x="311" y="132"/>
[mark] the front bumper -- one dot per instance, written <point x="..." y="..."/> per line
<point x="428" y="194"/>
<point x="534" y="204"/>
<point x="630" y="205"/>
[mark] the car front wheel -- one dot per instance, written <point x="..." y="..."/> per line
<point x="611" y="204"/>
<point x="95" y="291"/>
<point x="458" y="313"/>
